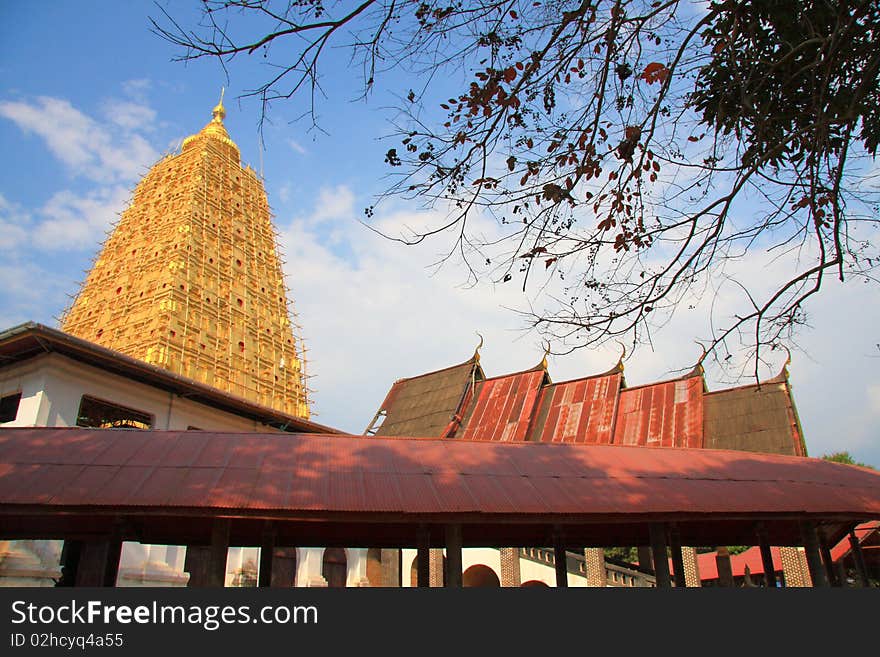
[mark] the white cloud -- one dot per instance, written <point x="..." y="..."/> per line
<point x="129" y="115"/>
<point x="71" y="221"/>
<point x="297" y="147"/>
<point x="90" y="149"/>
<point x="14" y="222"/>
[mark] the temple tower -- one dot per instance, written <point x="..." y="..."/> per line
<point x="190" y="278"/>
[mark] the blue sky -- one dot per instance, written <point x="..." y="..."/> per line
<point x="89" y="99"/>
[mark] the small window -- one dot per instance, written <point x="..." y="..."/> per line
<point x="9" y="407"/>
<point x="104" y="415"/>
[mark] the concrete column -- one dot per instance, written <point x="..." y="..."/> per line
<point x="794" y="567"/>
<point x="356" y="575"/>
<point x="595" y="566"/>
<point x="310" y="567"/>
<point x="691" y="567"/>
<point x="436" y="570"/>
<point x="511" y="576"/>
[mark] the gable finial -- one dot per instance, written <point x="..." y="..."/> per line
<point x="476" y="356"/>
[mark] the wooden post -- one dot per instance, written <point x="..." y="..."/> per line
<point x="811" y="547"/>
<point x="267" y="555"/>
<point x="560" y="558"/>
<point x="858" y="558"/>
<point x="218" y="553"/>
<point x="69" y="562"/>
<point x="722" y="565"/>
<point x="453" y="556"/>
<point x="658" y="549"/>
<point x="828" y="562"/>
<point x="99" y="562"/>
<point x="677" y="560"/>
<point x="646" y="561"/>
<point x="766" y="558"/>
<point x="424" y="557"/>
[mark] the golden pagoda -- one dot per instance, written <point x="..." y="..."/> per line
<point x="190" y="278"/>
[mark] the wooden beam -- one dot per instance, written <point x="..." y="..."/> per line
<point x="810" y="537"/>
<point x="559" y="558"/>
<point x="859" y="558"/>
<point x="453" y="556"/>
<point x="423" y="540"/>
<point x="657" y="532"/>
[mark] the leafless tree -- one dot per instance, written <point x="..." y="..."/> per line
<point x="631" y="149"/>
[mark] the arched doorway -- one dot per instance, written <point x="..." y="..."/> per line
<point x="536" y="583"/>
<point x="414" y="572"/>
<point x="480" y="576"/>
<point x="335" y="568"/>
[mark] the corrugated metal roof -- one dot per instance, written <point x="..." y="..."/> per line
<point x="291" y="473"/>
<point x="579" y="411"/>
<point x="668" y="414"/>
<point x="758" y="418"/>
<point x="502" y="408"/>
<point x="424" y="405"/>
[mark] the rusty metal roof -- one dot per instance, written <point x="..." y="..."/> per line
<point x="758" y="418"/>
<point x="424" y="405"/>
<point x="502" y="408"/>
<point x="486" y="484"/>
<point x="667" y="414"/>
<point x="580" y="411"/>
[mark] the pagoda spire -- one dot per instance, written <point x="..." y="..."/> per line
<point x="190" y="279"/>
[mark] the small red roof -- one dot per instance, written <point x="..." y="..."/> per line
<point x="708" y="566"/>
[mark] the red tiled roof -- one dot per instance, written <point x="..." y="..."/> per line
<point x="579" y="411"/>
<point x="708" y="567"/>
<point x="488" y="484"/>
<point x="864" y="532"/>
<point x="668" y="414"/>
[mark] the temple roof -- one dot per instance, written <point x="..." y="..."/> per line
<point x="598" y="409"/>
<point x="425" y="405"/>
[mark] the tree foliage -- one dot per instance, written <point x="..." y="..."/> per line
<point x="632" y="150"/>
<point x="846" y="458"/>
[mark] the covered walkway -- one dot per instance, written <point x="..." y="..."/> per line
<point x="97" y="488"/>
